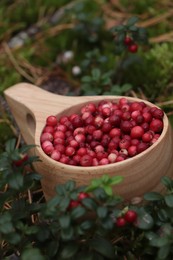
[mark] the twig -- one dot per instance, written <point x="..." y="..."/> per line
<point x="155" y="20"/>
<point x="165" y="103"/>
<point x="15" y="64"/>
<point x="162" y="38"/>
<point x="30" y="201"/>
<point x="6" y="121"/>
<point x="54" y="30"/>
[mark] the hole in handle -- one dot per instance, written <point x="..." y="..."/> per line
<point x="31" y="124"/>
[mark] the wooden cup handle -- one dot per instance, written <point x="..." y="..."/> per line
<point x="30" y="105"/>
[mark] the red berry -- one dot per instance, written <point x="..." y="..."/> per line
<point x="128" y="40"/>
<point x="23" y="158"/>
<point x="83" y="195"/>
<point x="86" y="160"/>
<point x="133" y="48"/>
<point x="120" y="222"/>
<point x="156" y="125"/>
<point x="51" y="121"/>
<point x="74" y="204"/>
<point x="137" y="132"/>
<point x="130" y="216"/>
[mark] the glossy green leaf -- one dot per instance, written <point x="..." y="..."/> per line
<point x="64" y="221"/>
<point x="144" y="221"/>
<point x="153" y="196"/>
<point x="78" y="212"/>
<point x="32" y="253"/>
<point x="10" y="145"/>
<point x="89" y="203"/>
<point x="103" y="246"/>
<point x="96" y="73"/>
<point x="167" y="182"/>
<point x="102" y="212"/>
<point x="67" y="234"/>
<point x="70" y="185"/>
<point x="108" y="189"/>
<point x="169" y="200"/>
<point x="132" y="20"/>
<point x="69" y="250"/>
<point x="86" y="225"/>
<point x="16" y="181"/>
<point x="163" y="252"/>
<point x="160" y="241"/>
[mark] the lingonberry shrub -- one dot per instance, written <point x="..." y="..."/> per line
<point x="103" y="133"/>
<point x="79" y="222"/>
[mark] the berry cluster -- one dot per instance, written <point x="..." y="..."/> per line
<point x="101" y="134"/>
<point x="129" y="217"/>
<point x="75" y="203"/>
<point x="131" y="45"/>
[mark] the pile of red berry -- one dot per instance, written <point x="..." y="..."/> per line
<point x="102" y="133"/>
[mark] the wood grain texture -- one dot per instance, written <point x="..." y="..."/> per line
<point x="30" y="106"/>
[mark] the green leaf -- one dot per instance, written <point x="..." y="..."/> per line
<point x="69" y="250"/>
<point x="162" y="214"/>
<point x="119" y="28"/>
<point x="70" y="185"/>
<point x="64" y="221"/>
<point x="67" y="234"/>
<point x="144" y="220"/>
<point x="13" y="238"/>
<point x="153" y="196"/>
<point x="103" y="246"/>
<point x="108" y="189"/>
<point x="126" y="87"/>
<point x="52" y="248"/>
<point x="167" y="182"/>
<point x="160" y="241"/>
<point x="16" y="181"/>
<point x="10" y="145"/>
<point x="78" y="212"/>
<point x="6" y="223"/>
<point x="102" y="212"/>
<point x="120" y="38"/>
<point x="132" y="20"/>
<point x="133" y="28"/>
<point x="86" y="79"/>
<point x="64" y="204"/>
<point x="163" y="252"/>
<point x="169" y="200"/>
<point x="116" y="180"/>
<point x="105" y="178"/>
<point x="96" y="73"/>
<point x="89" y="203"/>
<point x="108" y="223"/>
<point x="32" y="253"/>
<point x="86" y="225"/>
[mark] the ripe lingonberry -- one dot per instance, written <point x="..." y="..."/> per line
<point x="51" y="120"/>
<point x="133" y="48"/>
<point x="23" y="158"/>
<point x="156" y="125"/>
<point x="128" y="40"/>
<point x="121" y="222"/>
<point x="130" y="216"/>
<point x="83" y="195"/>
<point x="86" y="160"/>
<point x="74" y="204"/>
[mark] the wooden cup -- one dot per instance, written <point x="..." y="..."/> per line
<point x="30" y="106"/>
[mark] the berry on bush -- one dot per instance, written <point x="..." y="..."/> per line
<point x="130" y="216"/>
